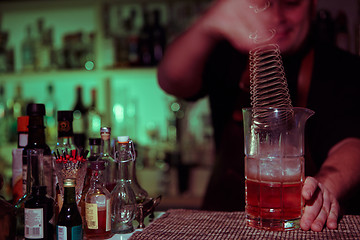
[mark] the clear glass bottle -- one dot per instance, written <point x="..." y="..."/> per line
<point x="94" y="117"/>
<point x="69" y="222"/>
<point x="94" y="144"/>
<point x="38" y="212"/>
<point x="140" y="193"/>
<point x="97" y="205"/>
<point x="106" y="156"/>
<point x="80" y="119"/>
<point x="50" y="119"/>
<point x="123" y="200"/>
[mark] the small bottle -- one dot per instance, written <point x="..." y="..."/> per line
<point x="69" y="223"/>
<point x="94" y="144"/>
<point x="38" y="212"/>
<point x="97" y="205"/>
<point x="123" y="200"/>
<point x="106" y="156"/>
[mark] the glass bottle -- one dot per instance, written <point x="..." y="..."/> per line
<point x="28" y="51"/>
<point x="51" y="109"/>
<point x="36" y="141"/>
<point x="38" y="212"/>
<point x="97" y="205"/>
<point x="36" y="158"/>
<point x="94" y="144"/>
<point x="69" y="223"/>
<point x="80" y="119"/>
<point x="123" y="200"/>
<point x="65" y="139"/>
<point x="94" y="117"/>
<point x="140" y="193"/>
<point x="106" y="156"/>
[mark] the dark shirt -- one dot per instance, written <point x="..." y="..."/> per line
<point x="333" y="95"/>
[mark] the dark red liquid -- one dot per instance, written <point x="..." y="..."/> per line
<point x="101" y="231"/>
<point x="268" y="200"/>
<point x="110" y="186"/>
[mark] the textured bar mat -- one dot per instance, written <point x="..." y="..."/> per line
<point x="193" y="224"/>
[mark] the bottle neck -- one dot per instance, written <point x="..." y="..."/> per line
<point x="94" y="152"/>
<point x="124" y="170"/>
<point x="66" y="141"/>
<point x="96" y="178"/>
<point x="69" y="195"/>
<point x="36" y="134"/>
<point x="105" y="148"/>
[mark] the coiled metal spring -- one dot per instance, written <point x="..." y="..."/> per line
<point x="268" y="85"/>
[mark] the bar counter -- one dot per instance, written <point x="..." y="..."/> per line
<point x="195" y="224"/>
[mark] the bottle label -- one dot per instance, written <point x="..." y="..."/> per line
<point x="108" y="215"/>
<point x="61" y="232"/>
<point x="48" y="174"/>
<point x="91" y="215"/>
<point x="24" y="175"/>
<point x="34" y="223"/>
<point x="76" y="232"/>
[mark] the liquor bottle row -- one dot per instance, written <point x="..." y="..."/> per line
<point x="87" y="119"/>
<point x="71" y="192"/>
<point x="142" y="46"/>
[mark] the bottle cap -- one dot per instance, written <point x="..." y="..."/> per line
<point x="35" y="109"/>
<point x="97" y="165"/>
<point x="105" y="133"/>
<point x="105" y="130"/>
<point x="94" y="141"/>
<point x="65" y="116"/>
<point x="123" y="139"/>
<point x="22" y="124"/>
<point x="69" y="182"/>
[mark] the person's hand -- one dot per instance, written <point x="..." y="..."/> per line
<point x="236" y="20"/>
<point x="321" y="207"/>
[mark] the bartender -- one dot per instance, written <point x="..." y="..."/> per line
<point x="211" y="59"/>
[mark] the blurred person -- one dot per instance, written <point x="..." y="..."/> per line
<point x="211" y="59"/>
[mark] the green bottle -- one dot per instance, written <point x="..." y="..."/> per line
<point x="69" y="223"/>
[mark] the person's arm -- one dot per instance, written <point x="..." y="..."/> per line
<point x="337" y="177"/>
<point x="180" y="71"/>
